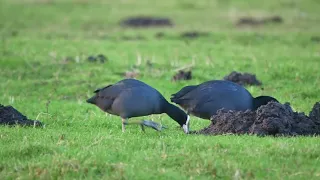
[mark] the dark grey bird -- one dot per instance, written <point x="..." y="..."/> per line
<point x="132" y="98"/>
<point x="205" y="99"/>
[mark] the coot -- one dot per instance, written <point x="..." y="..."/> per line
<point x="204" y="100"/>
<point x="132" y="98"/>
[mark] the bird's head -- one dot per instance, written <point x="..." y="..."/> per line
<point x="185" y="126"/>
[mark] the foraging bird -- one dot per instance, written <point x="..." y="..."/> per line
<point x="132" y="98"/>
<point x="205" y="99"/>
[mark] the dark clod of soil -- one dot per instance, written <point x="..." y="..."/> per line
<point x="10" y="116"/>
<point x="254" y="22"/>
<point x="102" y="58"/>
<point x="99" y="58"/>
<point x="182" y="75"/>
<point x="91" y="59"/>
<point x="315" y="39"/>
<point x="242" y="78"/>
<point x="144" y="21"/>
<point x="149" y="64"/>
<point x="273" y="119"/>
<point x="160" y="35"/>
<point x="193" y="34"/>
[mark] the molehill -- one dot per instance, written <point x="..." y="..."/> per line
<point x="10" y="116"/>
<point x="243" y="78"/>
<point x="273" y="119"/>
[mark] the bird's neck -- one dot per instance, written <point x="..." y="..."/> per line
<point x="176" y="114"/>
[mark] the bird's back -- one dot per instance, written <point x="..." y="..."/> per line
<point x="138" y="101"/>
<point x="208" y="97"/>
<point x="130" y="98"/>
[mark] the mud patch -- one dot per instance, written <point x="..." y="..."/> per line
<point x="10" y="116"/>
<point x="250" y="21"/>
<point x="243" y="78"/>
<point x="99" y="58"/>
<point x="182" y="75"/>
<point x="273" y="119"/>
<point x="193" y="34"/>
<point x="144" y="21"/>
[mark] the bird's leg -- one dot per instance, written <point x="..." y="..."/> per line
<point x="124" y="122"/>
<point x="142" y="127"/>
<point x="142" y="123"/>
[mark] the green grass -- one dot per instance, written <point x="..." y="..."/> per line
<point x="81" y="142"/>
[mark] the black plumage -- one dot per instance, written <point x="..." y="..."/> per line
<point x="132" y="98"/>
<point x="205" y="99"/>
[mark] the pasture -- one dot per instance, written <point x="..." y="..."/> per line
<point x="46" y="75"/>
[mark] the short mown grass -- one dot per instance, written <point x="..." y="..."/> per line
<point x="81" y="142"/>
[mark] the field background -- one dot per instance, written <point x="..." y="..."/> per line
<point x="81" y="142"/>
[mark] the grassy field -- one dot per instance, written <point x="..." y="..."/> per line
<point x="81" y="142"/>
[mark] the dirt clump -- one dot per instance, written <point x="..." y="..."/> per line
<point x="273" y="119"/>
<point x="245" y="21"/>
<point x="99" y="58"/>
<point x="182" y="75"/>
<point x="193" y="34"/>
<point x="242" y="78"/>
<point x="10" y="116"/>
<point x="144" y="21"/>
<point x="315" y="39"/>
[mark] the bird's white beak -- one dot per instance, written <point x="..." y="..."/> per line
<point x="186" y="126"/>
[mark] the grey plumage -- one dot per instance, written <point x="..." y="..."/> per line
<point x="205" y="99"/>
<point x="132" y="98"/>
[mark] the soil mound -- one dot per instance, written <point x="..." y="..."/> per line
<point x="251" y="21"/>
<point x="273" y="119"/>
<point x="100" y="57"/>
<point x="193" y="34"/>
<point x="315" y="39"/>
<point x="243" y="78"/>
<point x="144" y="21"/>
<point x="10" y="116"/>
<point x="182" y="75"/>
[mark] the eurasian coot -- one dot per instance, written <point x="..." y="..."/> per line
<point x="204" y="100"/>
<point x="132" y="98"/>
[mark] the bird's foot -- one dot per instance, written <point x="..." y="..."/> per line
<point x="153" y="125"/>
<point x="142" y="127"/>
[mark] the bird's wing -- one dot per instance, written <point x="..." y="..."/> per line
<point x="204" y="94"/>
<point x="109" y="91"/>
<point x="97" y="90"/>
<point x="112" y="91"/>
<point x="183" y="92"/>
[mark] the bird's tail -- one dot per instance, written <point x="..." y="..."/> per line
<point x="92" y="100"/>
<point x="177" y="97"/>
<point x="263" y="100"/>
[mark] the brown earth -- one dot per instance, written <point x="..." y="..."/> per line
<point x="182" y="75"/>
<point x="10" y="116"/>
<point x="273" y="119"/>
<point x="243" y="78"/>
<point x="251" y="21"/>
<point x="145" y="21"/>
